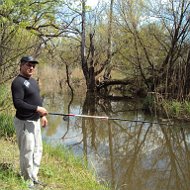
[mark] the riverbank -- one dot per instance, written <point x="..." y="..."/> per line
<point x="60" y="169"/>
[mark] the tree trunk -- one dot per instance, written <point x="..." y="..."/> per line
<point x="107" y="73"/>
<point x="91" y="83"/>
<point x="83" y="44"/>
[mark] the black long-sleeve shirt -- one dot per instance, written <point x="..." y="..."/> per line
<point x="26" y="98"/>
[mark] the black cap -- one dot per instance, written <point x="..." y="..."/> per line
<point x="28" y="59"/>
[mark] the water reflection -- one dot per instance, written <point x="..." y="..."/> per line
<point x="128" y="155"/>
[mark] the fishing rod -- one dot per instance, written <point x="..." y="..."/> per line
<point x="104" y="117"/>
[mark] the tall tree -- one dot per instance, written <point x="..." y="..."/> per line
<point x="107" y="73"/>
<point x="14" y="40"/>
<point x="155" y="44"/>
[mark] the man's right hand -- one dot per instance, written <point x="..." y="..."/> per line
<point x="42" y="111"/>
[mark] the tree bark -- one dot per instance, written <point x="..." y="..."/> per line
<point x="91" y="83"/>
<point x="107" y="73"/>
<point x="83" y="44"/>
<point x="107" y="83"/>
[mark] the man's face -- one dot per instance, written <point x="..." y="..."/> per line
<point x="27" y="69"/>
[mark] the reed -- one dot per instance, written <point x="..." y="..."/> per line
<point x="171" y="108"/>
<point x="176" y="109"/>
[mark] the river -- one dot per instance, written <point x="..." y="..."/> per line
<point x="129" y="155"/>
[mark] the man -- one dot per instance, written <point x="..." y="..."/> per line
<point x="29" y="110"/>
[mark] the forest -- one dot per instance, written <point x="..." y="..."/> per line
<point x="120" y="48"/>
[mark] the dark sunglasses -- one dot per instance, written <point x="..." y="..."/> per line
<point x="30" y="65"/>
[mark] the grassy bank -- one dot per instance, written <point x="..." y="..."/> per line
<point x="59" y="169"/>
<point x="170" y="108"/>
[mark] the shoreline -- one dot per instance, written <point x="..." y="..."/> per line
<point x="60" y="169"/>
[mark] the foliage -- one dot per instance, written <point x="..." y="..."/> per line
<point x="148" y="102"/>
<point x="14" y="40"/>
<point x="6" y="118"/>
<point x="150" y="49"/>
<point x="6" y="125"/>
<point x="4" y="100"/>
<point x="176" y="109"/>
<point x="23" y="23"/>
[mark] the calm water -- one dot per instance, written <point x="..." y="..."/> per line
<point x="129" y="155"/>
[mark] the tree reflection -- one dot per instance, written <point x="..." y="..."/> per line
<point x="130" y="155"/>
<point x="88" y="125"/>
<point x="139" y="156"/>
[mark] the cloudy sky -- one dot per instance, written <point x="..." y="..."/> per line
<point x="92" y="3"/>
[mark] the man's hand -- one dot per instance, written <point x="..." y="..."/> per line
<point x="44" y="121"/>
<point x="42" y="111"/>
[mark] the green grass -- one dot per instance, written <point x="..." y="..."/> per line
<point x="6" y="125"/>
<point x="5" y="98"/>
<point x="67" y="170"/>
<point x="60" y="169"/>
<point x="9" y="166"/>
<point x="172" y="108"/>
<point x="176" y="109"/>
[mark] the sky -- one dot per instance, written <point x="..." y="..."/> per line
<point x="92" y="3"/>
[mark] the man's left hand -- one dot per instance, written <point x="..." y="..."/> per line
<point x="44" y="121"/>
